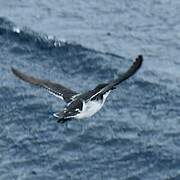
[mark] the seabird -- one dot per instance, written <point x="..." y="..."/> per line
<point x="81" y="105"/>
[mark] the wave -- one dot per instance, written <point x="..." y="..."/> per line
<point x="70" y="58"/>
<point x="139" y="124"/>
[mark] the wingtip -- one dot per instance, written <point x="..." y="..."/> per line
<point x="14" y="70"/>
<point x="139" y="58"/>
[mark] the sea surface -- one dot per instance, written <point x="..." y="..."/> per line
<point x="136" y="135"/>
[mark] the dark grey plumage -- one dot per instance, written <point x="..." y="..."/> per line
<point x="55" y="88"/>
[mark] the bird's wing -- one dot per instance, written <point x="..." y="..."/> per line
<point x="54" y="88"/>
<point x="111" y="85"/>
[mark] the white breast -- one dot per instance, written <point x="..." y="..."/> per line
<point x="91" y="107"/>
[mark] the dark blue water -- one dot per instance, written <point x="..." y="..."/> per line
<point x="137" y="133"/>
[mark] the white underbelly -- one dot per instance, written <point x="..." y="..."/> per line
<point x="91" y="107"/>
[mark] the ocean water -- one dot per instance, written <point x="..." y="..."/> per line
<point x="81" y="43"/>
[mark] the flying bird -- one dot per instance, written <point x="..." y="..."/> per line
<point x="80" y="105"/>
